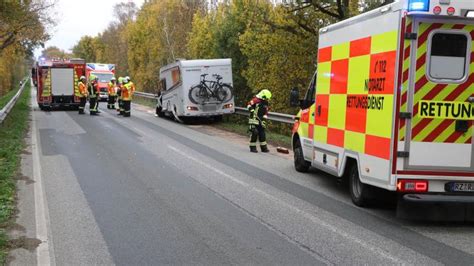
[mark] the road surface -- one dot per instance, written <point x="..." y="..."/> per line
<point x="145" y="190"/>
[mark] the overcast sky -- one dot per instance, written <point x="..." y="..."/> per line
<point x="76" y="18"/>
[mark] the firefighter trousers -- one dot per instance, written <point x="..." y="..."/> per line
<point x="82" y="104"/>
<point x="120" y="106"/>
<point x="93" y="105"/>
<point x="258" y="132"/>
<point x="126" y="107"/>
<point x="111" y="102"/>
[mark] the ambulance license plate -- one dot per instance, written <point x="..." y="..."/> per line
<point x="461" y="187"/>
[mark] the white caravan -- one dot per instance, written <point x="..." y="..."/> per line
<point x="196" y="88"/>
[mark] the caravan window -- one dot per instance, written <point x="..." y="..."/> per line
<point x="162" y="85"/>
<point x="449" y="56"/>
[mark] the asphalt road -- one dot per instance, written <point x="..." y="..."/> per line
<point x="145" y="190"/>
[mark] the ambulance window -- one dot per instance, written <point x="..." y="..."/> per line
<point x="310" y="93"/>
<point x="448" y="57"/>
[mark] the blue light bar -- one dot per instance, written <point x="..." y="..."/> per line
<point x="419" y="5"/>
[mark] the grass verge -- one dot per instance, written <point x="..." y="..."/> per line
<point x="144" y="101"/>
<point x="6" y="98"/>
<point x="12" y="133"/>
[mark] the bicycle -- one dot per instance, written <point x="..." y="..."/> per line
<point x="208" y="89"/>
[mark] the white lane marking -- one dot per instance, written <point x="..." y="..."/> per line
<point x="43" y="254"/>
<point x="312" y="218"/>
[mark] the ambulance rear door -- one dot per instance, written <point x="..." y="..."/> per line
<point x="441" y="77"/>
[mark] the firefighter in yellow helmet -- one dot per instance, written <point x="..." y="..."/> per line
<point x="258" y="108"/>
<point x="112" y="94"/>
<point x="93" y="89"/>
<point x="83" y="94"/>
<point x="119" y="95"/>
<point x="128" y="89"/>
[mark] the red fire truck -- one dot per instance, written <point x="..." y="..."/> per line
<point x="57" y="82"/>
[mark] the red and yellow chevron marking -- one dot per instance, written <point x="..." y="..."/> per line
<point x="405" y="79"/>
<point x="430" y="129"/>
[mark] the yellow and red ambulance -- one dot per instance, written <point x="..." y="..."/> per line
<point x="392" y="102"/>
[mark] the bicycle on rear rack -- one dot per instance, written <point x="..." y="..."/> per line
<point x="208" y="91"/>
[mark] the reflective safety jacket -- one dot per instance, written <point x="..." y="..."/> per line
<point x="127" y="91"/>
<point x="258" y="110"/>
<point x="111" y="89"/>
<point x="93" y="89"/>
<point x="82" y="89"/>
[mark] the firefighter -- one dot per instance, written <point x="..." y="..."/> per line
<point x="112" y="93"/>
<point x="93" y="94"/>
<point x="119" y="95"/>
<point x="128" y="89"/>
<point x="83" y="92"/>
<point x="258" y="108"/>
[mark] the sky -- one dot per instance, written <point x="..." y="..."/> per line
<point x="76" y="18"/>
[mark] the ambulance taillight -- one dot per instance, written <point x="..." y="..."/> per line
<point x="410" y="185"/>
<point x="419" y="5"/>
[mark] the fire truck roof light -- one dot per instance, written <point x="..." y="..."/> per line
<point x="418" y="5"/>
<point x="451" y="11"/>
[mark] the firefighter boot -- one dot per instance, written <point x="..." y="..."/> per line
<point x="253" y="149"/>
<point x="264" y="148"/>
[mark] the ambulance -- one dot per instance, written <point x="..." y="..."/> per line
<point x="391" y="106"/>
<point x="104" y="72"/>
<point x="57" y="82"/>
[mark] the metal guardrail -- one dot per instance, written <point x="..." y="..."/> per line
<point x="272" y="116"/>
<point x="9" y="106"/>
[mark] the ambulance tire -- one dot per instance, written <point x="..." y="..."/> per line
<point x="360" y="193"/>
<point x="301" y="165"/>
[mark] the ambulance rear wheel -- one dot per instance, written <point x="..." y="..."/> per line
<point x="301" y="165"/>
<point x="360" y="192"/>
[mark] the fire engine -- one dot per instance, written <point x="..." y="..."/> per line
<point x="104" y="72"/>
<point x="392" y="106"/>
<point x="57" y="82"/>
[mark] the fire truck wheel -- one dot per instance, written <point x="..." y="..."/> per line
<point x="360" y="192"/>
<point x="301" y="165"/>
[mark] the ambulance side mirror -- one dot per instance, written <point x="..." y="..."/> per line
<point x="295" y="97"/>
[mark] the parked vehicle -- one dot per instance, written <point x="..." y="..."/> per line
<point x="104" y="72"/>
<point x="57" y="82"/>
<point x="196" y="88"/>
<point x="391" y="106"/>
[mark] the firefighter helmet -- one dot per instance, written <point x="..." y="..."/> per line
<point x="264" y="94"/>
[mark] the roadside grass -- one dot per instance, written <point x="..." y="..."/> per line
<point x="6" y="98"/>
<point x="144" y="101"/>
<point x="12" y="133"/>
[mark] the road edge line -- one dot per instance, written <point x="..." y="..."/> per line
<point x="43" y="254"/>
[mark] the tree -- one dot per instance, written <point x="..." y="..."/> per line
<point x="158" y="37"/>
<point x="24" y="23"/>
<point x="86" y="49"/>
<point x="55" y="52"/>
